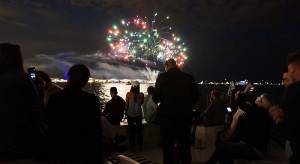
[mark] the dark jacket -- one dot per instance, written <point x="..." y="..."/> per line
<point x="254" y="128"/>
<point x="177" y="92"/>
<point x="114" y="110"/>
<point x="74" y="126"/>
<point x="291" y="104"/>
<point x="17" y="98"/>
<point x="215" y="114"/>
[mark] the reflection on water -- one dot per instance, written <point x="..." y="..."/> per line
<point x="102" y="90"/>
<point x="122" y="89"/>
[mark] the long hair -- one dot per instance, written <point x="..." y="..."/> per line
<point x="10" y="58"/>
<point x="136" y="91"/>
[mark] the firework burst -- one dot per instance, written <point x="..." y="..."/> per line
<point x="146" y="40"/>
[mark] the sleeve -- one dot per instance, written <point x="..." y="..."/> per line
<point x="144" y="105"/>
<point x="143" y="98"/>
<point x="157" y="93"/>
<point x="98" y="129"/>
<point x="152" y="105"/>
<point x="242" y="127"/>
<point x="98" y="109"/>
<point x="123" y="106"/>
<point x="209" y="114"/>
<point x="106" y="107"/>
<point x="31" y="92"/>
<point x="97" y="116"/>
<point x="51" y="111"/>
<point x="127" y="101"/>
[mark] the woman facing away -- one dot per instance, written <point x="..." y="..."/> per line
<point x="17" y="99"/>
<point x="134" y="101"/>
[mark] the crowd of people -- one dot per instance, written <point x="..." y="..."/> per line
<point x="43" y="121"/>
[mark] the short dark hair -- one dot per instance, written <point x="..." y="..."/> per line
<point x="171" y="61"/>
<point x="150" y="90"/>
<point x="10" y="58"/>
<point x="45" y="77"/>
<point x="78" y="75"/>
<point x="294" y="58"/>
<point x="114" y="90"/>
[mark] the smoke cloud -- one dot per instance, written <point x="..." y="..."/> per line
<point x="101" y="65"/>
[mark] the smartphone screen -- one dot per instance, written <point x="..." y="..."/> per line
<point x="32" y="73"/>
<point x="229" y="109"/>
<point x="243" y="83"/>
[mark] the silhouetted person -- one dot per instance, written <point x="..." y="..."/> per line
<point x="149" y="106"/>
<point x="17" y="98"/>
<point x="177" y="92"/>
<point x="49" y="87"/>
<point x="134" y="101"/>
<point x="291" y="105"/>
<point x="248" y="134"/>
<point x="74" y="121"/>
<point x="215" y="113"/>
<point x="114" y="108"/>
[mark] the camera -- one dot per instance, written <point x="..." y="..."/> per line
<point x="32" y="73"/>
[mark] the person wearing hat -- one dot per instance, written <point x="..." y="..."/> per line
<point x="176" y="92"/>
<point x="134" y="101"/>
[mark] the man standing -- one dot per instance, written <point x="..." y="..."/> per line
<point x="74" y="121"/>
<point x="291" y="105"/>
<point x="177" y="92"/>
<point x="114" y="108"/>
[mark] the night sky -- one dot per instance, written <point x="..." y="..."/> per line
<point x="233" y="39"/>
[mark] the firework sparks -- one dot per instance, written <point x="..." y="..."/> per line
<point x="143" y="39"/>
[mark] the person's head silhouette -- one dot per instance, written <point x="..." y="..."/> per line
<point x="45" y="77"/>
<point x="78" y="76"/>
<point x="113" y="91"/>
<point x="10" y="58"/>
<point x="170" y="64"/>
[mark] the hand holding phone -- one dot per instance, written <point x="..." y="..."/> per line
<point x="32" y="73"/>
